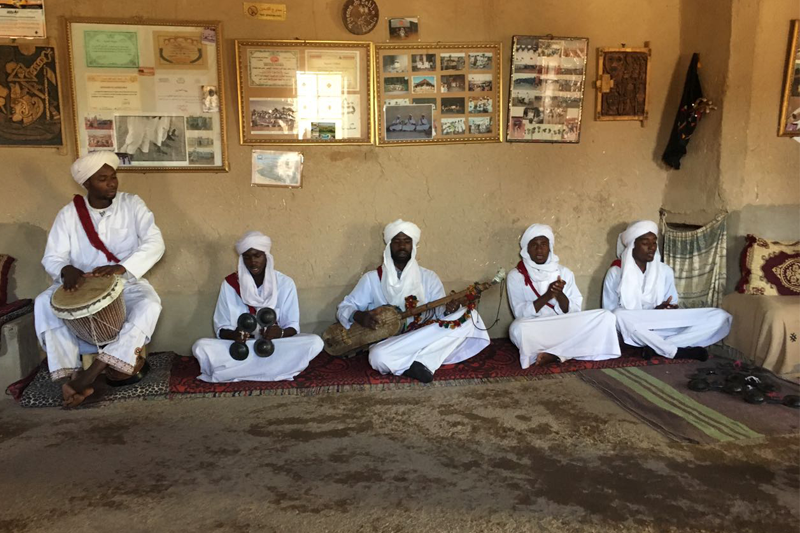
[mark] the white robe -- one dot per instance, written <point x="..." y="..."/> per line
<point x="581" y="335"/>
<point x="433" y="346"/>
<point x="664" y="330"/>
<point x="292" y="354"/>
<point x="129" y="231"/>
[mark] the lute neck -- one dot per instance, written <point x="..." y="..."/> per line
<point x="442" y="301"/>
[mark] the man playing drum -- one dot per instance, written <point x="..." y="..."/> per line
<point x="419" y="353"/>
<point x="103" y="234"/>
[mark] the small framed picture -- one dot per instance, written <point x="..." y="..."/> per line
<point x="278" y="169"/>
<point x="403" y="29"/>
<point x="790" y="99"/>
<point x="408" y="122"/>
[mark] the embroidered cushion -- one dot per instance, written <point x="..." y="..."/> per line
<point x="770" y="267"/>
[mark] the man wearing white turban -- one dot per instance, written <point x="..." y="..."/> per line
<point x="641" y="292"/>
<point x="418" y="353"/>
<point x="550" y="326"/>
<point x="105" y="233"/>
<point x="255" y="285"/>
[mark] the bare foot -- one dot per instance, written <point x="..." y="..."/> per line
<point x="546" y="359"/>
<point x="77" y="389"/>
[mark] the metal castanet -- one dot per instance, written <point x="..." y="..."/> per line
<point x="340" y="341"/>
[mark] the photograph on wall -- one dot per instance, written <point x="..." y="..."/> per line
<point x="395" y="64"/>
<point x="277" y="169"/>
<point x="150" y="91"/>
<point x="22" y="19"/>
<point x="408" y="122"/>
<point x="546" y="89"/>
<point x="310" y="92"/>
<point x="403" y="29"/>
<point x="151" y="138"/>
<point x="453" y="79"/>
<point x="273" y="115"/>
<point x="789" y="125"/>
<point x="30" y="101"/>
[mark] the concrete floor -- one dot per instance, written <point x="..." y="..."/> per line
<point x="552" y="455"/>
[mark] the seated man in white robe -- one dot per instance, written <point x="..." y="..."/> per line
<point x="410" y="124"/>
<point x="397" y="125"/>
<point x="255" y="285"/>
<point x="641" y="292"/>
<point x="418" y="353"/>
<point x="550" y="326"/>
<point x="103" y="234"/>
<point x="423" y="124"/>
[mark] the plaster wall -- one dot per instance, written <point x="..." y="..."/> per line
<point x="472" y="202"/>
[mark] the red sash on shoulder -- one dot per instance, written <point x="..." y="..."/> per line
<point x="616" y="263"/>
<point x="380" y="272"/>
<point x="233" y="281"/>
<point x="88" y="227"/>
<point x="529" y="283"/>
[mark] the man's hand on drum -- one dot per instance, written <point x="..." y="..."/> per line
<point x="105" y="271"/>
<point x="72" y="278"/>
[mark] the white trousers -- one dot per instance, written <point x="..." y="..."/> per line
<point x="433" y="346"/>
<point x="586" y="336"/>
<point x="666" y="330"/>
<point x="142" y="307"/>
<point x="292" y="355"/>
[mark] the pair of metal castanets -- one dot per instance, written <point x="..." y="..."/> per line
<point x="248" y="323"/>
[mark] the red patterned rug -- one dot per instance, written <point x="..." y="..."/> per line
<point x="498" y="362"/>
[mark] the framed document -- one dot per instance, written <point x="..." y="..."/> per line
<point x="304" y="92"/>
<point x="30" y="96"/>
<point x="438" y="93"/>
<point x="151" y="91"/>
<point x="545" y="102"/>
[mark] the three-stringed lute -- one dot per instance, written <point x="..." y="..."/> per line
<point x="341" y="341"/>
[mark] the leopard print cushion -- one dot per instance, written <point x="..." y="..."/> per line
<point x="42" y="392"/>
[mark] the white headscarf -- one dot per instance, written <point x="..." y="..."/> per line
<point x="267" y="294"/>
<point x="410" y="281"/>
<point x="85" y="167"/>
<point x="544" y="273"/>
<point x="637" y="289"/>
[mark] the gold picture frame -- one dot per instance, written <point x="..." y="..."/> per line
<point x="304" y="92"/>
<point x="154" y="89"/>
<point x="450" y="93"/>
<point x="612" y="101"/>
<point x="789" y="121"/>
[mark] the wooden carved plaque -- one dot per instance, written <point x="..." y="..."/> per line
<point x="623" y="79"/>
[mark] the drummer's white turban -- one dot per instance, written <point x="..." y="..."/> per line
<point x="395" y="288"/>
<point x="253" y="239"/>
<point x="85" y="167"/>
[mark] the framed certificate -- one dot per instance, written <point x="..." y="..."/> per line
<point x="151" y="91"/>
<point x="438" y="93"/>
<point x="304" y="92"/>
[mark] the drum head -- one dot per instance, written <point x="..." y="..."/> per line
<point x="100" y="291"/>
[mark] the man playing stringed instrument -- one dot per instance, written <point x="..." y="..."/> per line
<point x="550" y="326"/>
<point x="418" y="353"/>
<point x="103" y="234"/>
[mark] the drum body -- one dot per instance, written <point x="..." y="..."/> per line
<point x="95" y="312"/>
